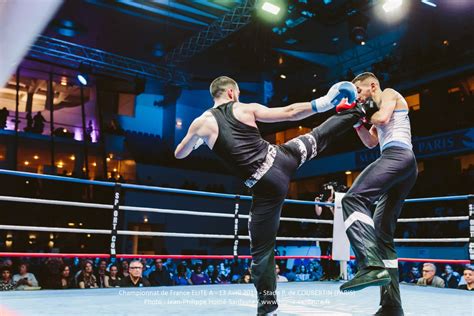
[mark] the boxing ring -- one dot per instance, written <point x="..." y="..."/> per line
<point x="317" y="298"/>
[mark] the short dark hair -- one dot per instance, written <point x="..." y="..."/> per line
<point x="363" y="76"/>
<point x="219" y="85"/>
<point x="469" y="267"/>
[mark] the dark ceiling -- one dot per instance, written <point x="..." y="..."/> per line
<point x="316" y="40"/>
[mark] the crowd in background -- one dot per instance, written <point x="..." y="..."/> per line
<point x="59" y="273"/>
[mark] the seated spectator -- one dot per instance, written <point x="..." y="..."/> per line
<point x="24" y="280"/>
<point x="180" y="278"/>
<point x="469" y="278"/>
<point x="101" y="273"/>
<point x="450" y="277"/>
<point x="124" y="269"/>
<point x="315" y="270"/>
<point x="161" y="275"/>
<point x="112" y="280"/>
<point x="280" y="278"/>
<point x="213" y="274"/>
<point x="291" y="276"/>
<point x="429" y="276"/>
<point x="86" y="278"/>
<point x="6" y="283"/>
<point x="199" y="277"/>
<point x="413" y="275"/>
<point x="66" y="281"/>
<point x="303" y="275"/>
<point x="245" y="279"/>
<point x="135" y="277"/>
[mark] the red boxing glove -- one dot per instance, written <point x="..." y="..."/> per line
<point x="343" y="106"/>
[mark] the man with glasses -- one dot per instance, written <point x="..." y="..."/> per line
<point x="161" y="276"/>
<point x="429" y="278"/>
<point x="135" y="278"/>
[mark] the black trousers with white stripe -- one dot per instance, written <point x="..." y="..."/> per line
<point x="389" y="179"/>
<point x="269" y="193"/>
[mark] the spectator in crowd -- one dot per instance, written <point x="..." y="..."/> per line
<point x="224" y="273"/>
<point x="124" y="269"/>
<point x="413" y="275"/>
<point x="280" y="278"/>
<point x="302" y="275"/>
<point x="6" y="283"/>
<point x="450" y="277"/>
<point x="101" y="273"/>
<point x="66" y="279"/>
<point x="89" y="131"/>
<point x="112" y="280"/>
<point x="213" y="274"/>
<point x="246" y="279"/>
<point x="469" y="278"/>
<point x="135" y="277"/>
<point x="24" y="280"/>
<point x="86" y="278"/>
<point x="3" y="118"/>
<point x="180" y="278"/>
<point x="29" y="122"/>
<point x="38" y="123"/>
<point x="51" y="273"/>
<point x="199" y="277"/>
<point x="315" y="270"/>
<point x="161" y="275"/>
<point x="291" y="275"/>
<point x="429" y="276"/>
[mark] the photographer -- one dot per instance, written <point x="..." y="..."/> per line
<point x="330" y="267"/>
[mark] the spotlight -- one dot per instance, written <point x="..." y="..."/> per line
<point x="358" y="27"/>
<point x="362" y="43"/>
<point x="314" y="90"/>
<point x="83" y="78"/>
<point x="428" y="2"/>
<point x="391" y="5"/>
<point x="348" y="172"/>
<point x="282" y="76"/>
<point x="270" y="8"/>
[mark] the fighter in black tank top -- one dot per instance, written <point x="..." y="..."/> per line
<point x="268" y="169"/>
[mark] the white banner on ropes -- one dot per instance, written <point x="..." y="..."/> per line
<point x="340" y="242"/>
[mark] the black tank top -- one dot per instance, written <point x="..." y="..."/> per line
<point x="238" y="144"/>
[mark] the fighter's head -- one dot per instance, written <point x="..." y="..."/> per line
<point x="224" y="88"/>
<point x="367" y="85"/>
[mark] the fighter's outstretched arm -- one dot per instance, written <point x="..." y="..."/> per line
<point x="191" y="141"/>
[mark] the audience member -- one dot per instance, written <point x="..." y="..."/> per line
<point x="161" y="276"/>
<point x="450" y="277"/>
<point x="413" y="275"/>
<point x="101" y="273"/>
<point x="199" y="277"/>
<point x="280" y="278"/>
<point x="124" y="269"/>
<point x="3" y="118"/>
<point x="86" y="278"/>
<point x="469" y="278"/>
<point x="38" y="123"/>
<point x="66" y="279"/>
<point x="6" y="283"/>
<point x="213" y="274"/>
<point x="24" y="280"/>
<point x="112" y="280"/>
<point x="429" y="277"/>
<point x="135" y="278"/>
<point x="302" y="275"/>
<point x="180" y="278"/>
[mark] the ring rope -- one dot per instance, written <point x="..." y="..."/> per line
<point x="151" y="210"/>
<point x="194" y="235"/>
<point x="210" y="214"/>
<point x="201" y="193"/>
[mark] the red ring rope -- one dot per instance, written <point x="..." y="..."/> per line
<point x="184" y="257"/>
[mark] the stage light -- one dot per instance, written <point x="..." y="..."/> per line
<point x="271" y="8"/>
<point x="391" y="5"/>
<point x="83" y="78"/>
<point x="428" y="2"/>
<point x="282" y="76"/>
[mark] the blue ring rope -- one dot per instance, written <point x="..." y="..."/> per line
<point x="202" y="193"/>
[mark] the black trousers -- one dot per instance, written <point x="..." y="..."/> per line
<point x="389" y="179"/>
<point x="269" y="194"/>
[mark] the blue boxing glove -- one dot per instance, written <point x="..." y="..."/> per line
<point x="336" y="93"/>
